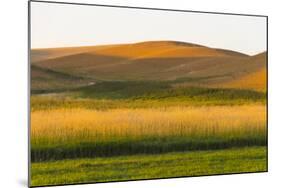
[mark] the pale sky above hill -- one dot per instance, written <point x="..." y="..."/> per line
<point x="62" y="25"/>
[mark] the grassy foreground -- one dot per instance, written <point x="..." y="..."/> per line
<point x="237" y="160"/>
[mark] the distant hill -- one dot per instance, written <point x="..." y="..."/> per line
<point x="142" y="49"/>
<point x="182" y="63"/>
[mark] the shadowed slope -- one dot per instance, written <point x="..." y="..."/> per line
<point x="46" y="79"/>
<point x="80" y="64"/>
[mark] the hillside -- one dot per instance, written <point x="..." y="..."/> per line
<point x="253" y="80"/>
<point x="181" y="63"/>
<point x="44" y="79"/>
<point x="135" y="50"/>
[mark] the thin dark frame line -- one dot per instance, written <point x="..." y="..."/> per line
<point x="146" y="8"/>
<point x="29" y="92"/>
<point x="131" y="7"/>
<point x="267" y="91"/>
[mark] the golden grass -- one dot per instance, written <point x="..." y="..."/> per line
<point x="68" y="125"/>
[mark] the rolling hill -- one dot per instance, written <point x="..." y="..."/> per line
<point x="180" y="63"/>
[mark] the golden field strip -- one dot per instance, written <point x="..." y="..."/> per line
<point x="183" y="127"/>
<point x="62" y="125"/>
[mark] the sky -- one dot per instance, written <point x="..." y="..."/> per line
<point x="64" y="25"/>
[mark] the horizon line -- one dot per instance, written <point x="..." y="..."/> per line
<point x="138" y="42"/>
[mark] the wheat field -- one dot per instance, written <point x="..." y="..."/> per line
<point x="183" y="127"/>
<point x="92" y="125"/>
